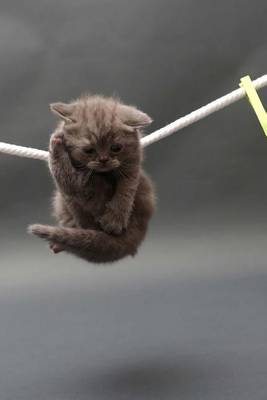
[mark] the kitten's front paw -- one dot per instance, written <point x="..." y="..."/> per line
<point x="56" y="142"/>
<point x="112" y="222"/>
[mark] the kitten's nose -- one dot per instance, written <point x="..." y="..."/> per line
<point x="103" y="159"/>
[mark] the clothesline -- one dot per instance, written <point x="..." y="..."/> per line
<point x="159" y="134"/>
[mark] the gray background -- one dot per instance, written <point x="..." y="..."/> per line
<point x="186" y="319"/>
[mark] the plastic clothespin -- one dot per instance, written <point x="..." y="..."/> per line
<point x="255" y="101"/>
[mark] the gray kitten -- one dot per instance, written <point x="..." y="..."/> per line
<point x="104" y="200"/>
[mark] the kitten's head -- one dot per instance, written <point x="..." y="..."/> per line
<point x="102" y="133"/>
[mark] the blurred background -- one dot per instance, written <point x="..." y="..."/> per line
<point x="185" y="319"/>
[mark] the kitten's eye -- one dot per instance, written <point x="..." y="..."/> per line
<point x="116" y="148"/>
<point x="89" y="150"/>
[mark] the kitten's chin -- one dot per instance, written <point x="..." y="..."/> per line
<point x="104" y="169"/>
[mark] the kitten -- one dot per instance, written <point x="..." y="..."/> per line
<point x="104" y="200"/>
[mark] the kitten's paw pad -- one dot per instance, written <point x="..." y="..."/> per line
<point x="56" y="247"/>
<point x="56" y="141"/>
<point x="112" y="223"/>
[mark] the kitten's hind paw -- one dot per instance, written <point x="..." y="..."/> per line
<point x="43" y="231"/>
<point x="56" y="247"/>
<point x="46" y="232"/>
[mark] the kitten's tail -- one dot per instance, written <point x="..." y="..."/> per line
<point x="93" y="245"/>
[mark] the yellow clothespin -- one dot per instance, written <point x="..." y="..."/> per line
<point x="255" y="102"/>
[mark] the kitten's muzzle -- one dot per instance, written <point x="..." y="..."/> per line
<point x="103" y="166"/>
<point x="103" y="160"/>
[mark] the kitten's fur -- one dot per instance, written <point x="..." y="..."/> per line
<point x="104" y="200"/>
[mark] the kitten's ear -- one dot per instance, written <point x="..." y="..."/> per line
<point x="133" y="117"/>
<point x="64" y="111"/>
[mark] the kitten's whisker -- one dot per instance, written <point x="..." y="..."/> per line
<point x="119" y="172"/>
<point x="123" y="173"/>
<point x="89" y="176"/>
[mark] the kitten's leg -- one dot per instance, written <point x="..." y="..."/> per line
<point x="64" y="218"/>
<point x="118" y="210"/>
<point x="65" y="175"/>
<point x="95" y="246"/>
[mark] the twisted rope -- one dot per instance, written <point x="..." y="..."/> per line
<point x="159" y="134"/>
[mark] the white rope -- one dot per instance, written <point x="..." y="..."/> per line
<point x="20" y="151"/>
<point x="167" y="130"/>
